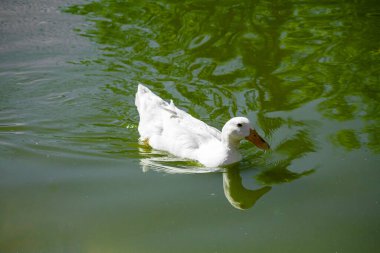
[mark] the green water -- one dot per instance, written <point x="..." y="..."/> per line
<point x="73" y="177"/>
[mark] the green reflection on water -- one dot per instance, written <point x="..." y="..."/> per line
<point x="306" y="72"/>
<point x="292" y="66"/>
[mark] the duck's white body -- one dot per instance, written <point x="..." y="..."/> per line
<point x="167" y="128"/>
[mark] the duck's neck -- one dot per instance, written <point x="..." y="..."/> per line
<point x="229" y="141"/>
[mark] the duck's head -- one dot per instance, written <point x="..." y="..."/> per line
<point x="239" y="128"/>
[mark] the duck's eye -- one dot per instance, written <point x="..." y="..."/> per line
<point x="239" y="125"/>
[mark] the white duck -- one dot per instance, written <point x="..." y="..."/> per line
<point x="165" y="127"/>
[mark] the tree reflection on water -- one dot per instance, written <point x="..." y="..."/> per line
<point x="297" y="65"/>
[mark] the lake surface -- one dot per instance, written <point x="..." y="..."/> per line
<point x="73" y="177"/>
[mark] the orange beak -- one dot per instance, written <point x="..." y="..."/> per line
<point x="255" y="138"/>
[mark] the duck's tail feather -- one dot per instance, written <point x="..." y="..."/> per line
<point x="153" y="110"/>
<point x="147" y="100"/>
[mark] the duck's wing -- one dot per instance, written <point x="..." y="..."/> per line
<point x="195" y="125"/>
<point x="156" y="114"/>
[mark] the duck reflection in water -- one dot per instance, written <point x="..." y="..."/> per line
<point x="239" y="196"/>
